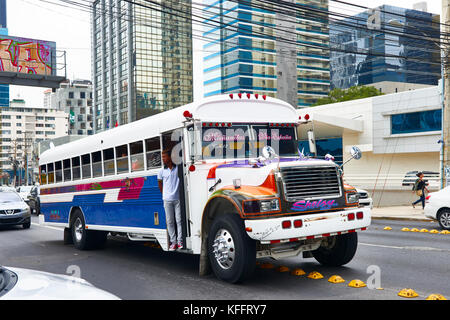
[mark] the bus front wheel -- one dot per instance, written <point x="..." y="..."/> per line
<point x="337" y="250"/>
<point x="85" y="239"/>
<point x="231" y="252"/>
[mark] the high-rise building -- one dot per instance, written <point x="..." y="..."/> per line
<point x="280" y="50"/>
<point x="21" y="127"/>
<point x="385" y="35"/>
<point x="4" y="88"/>
<point x="75" y="99"/>
<point x="141" y="59"/>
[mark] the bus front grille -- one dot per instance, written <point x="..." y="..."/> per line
<point x="302" y="183"/>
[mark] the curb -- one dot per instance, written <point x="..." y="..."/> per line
<point x="401" y="218"/>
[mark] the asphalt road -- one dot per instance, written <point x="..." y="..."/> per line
<point x="420" y="261"/>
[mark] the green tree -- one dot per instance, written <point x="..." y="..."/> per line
<point x="352" y="93"/>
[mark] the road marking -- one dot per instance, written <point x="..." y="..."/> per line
<point x="49" y="227"/>
<point x="404" y="248"/>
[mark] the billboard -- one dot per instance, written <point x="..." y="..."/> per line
<point x="29" y="56"/>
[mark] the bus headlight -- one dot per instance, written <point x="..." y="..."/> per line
<point x="352" y="197"/>
<point x="255" y="206"/>
<point x="270" y="205"/>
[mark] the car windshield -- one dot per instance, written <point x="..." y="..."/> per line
<point x="246" y="141"/>
<point x="25" y="189"/>
<point x="8" y="196"/>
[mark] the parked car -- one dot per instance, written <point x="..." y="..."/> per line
<point x="34" y="201"/>
<point x="24" y="192"/>
<point x="25" y="284"/>
<point x="431" y="178"/>
<point x="437" y="207"/>
<point x="13" y="210"/>
<point x="364" y="199"/>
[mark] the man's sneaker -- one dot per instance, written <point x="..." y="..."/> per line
<point x="173" y="247"/>
<point x="180" y="245"/>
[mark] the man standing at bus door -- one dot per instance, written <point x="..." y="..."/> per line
<point x="169" y="185"/>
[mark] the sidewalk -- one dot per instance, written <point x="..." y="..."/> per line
<point x="399" y="213"/>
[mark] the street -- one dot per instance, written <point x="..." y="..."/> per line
<point x="131" y="270"/>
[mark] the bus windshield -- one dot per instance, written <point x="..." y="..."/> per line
<point x="247" y="141"/>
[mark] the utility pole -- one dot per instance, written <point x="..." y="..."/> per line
<point x="445" y="29"/>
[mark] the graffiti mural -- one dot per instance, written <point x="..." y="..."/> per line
<point x="27" y="55"/>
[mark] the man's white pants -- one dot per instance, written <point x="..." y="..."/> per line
<point x="173" y="217"/>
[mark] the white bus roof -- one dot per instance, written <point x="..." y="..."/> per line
<point x="220" y="108"/>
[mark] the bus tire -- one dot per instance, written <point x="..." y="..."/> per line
<point x="85" y="239"/>
<point x="232" y="254"/>
<point x="339" y="250"/>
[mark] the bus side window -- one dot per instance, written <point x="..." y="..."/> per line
<point x="51" y="173"/>
<point x="122" y="158"/>
<point x="43" y="174"/>
<point x="108" y="161"/>
<point x="58" y="171"/>
<point x="153" y="153"/>
<point x="76" y="168"/>
<point x="97" y="164"/>
<point x="137" y="156"/>
<point x="86" y="165"/>
<point x="67" y="170"/>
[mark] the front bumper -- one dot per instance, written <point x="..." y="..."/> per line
<point x="313" y="226"/>
<point x="15" y="219"/>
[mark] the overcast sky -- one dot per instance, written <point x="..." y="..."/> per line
<point x="70" y="29"/>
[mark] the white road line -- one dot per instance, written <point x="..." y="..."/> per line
<point x="404" y="248"/>
<point x="48" y="227"/>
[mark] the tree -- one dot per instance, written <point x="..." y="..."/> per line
<point x="352" y="93"/>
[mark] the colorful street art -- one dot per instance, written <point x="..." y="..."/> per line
<point x="27" y="55"/>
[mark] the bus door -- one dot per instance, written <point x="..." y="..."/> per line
<point x="173" y="140"/>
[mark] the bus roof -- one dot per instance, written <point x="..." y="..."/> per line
<point x="220" y="108"/>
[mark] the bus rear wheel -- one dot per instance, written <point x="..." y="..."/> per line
<point x="231" y="252"/>
<point x="337" y="250"/>
<point x="85" y="239"/>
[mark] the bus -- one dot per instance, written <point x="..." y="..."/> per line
<point x="246" y="190"/>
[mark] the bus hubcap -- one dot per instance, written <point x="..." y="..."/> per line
<point x="78" y="230"/>
<point x="223" y="249"/>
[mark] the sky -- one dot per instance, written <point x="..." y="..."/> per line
<point x="70" y="29"/>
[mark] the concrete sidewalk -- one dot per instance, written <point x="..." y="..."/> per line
<point x="399" y="213"/>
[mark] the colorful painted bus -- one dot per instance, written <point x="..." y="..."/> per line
<point x="246" y="191"/>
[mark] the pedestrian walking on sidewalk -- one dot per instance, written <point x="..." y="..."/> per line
<point x="419" y="188"/>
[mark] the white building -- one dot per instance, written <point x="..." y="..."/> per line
<point x="397" y="133"/>
<point x="74" y="98"/>
<point x="22" y="126"/>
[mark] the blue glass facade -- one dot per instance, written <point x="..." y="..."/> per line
<point x="422" y="121"/>
<point x="240" y="53"/>
<point x="395" y="36"/>
<point x="4" y="88"/>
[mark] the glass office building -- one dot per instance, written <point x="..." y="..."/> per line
<point x="242" y="47"/>
<point x="4" y="88"/>
<point x="393" y="31"/>
<point x="141" y="59"/>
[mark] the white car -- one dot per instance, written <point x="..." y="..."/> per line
<point x="364" y="199"/>
<point x="24" y="192"/>
<point x="437" y="207"/>
<point x="24" y="284"/>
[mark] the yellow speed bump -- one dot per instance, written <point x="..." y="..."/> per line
<point x="283" y="269"/>
<point x="423" y="230"/>
<point x="414" y="230"/>
<point x="405" y="229"/>
<point x="435" y="296"/>
<point x="336" y="279"/>
<point x="266" y="266"/>
<point x="356" y="284"/>
<point x="298" y="272"/>
<point x="434" y="231"/>
<point x="445" y="232"/>
<point x="315" y="275"/>
<point x="408" y="293"/>
<point x="387" y="228"/>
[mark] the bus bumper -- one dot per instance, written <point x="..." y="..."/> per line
<point x="317" y="225"/>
